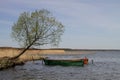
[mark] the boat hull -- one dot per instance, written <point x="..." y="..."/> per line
<point x="53" y="62"/>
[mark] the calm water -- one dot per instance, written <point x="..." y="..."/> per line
<point x="106" y="66"/>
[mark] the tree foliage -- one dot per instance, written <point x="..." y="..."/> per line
<point x="37" y="28"/>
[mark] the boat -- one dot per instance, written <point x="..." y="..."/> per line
<point x="66" y="62"/>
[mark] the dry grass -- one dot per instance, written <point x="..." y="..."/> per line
<point x="31" y="54"/>
<point x="34" y="54"/>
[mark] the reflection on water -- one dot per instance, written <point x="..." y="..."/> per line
<point x="105" y="67"/>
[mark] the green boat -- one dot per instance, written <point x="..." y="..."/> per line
<point x="64" y="62"/>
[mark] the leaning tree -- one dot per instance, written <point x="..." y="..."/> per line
<point x="35" y="29"/>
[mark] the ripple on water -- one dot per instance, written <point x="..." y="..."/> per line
<point x="103" y="69"/>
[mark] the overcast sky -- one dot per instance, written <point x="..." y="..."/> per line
<point x="89" y="24"/>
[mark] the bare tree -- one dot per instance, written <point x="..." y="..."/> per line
<point x="36" y="29"/>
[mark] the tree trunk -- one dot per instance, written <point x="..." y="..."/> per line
<point x="15" y="57"/>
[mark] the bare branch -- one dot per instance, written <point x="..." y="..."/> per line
<point x="36" y="29"/>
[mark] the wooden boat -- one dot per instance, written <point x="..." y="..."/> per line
<point x="66" y="62"/>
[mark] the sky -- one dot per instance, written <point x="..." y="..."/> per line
<point x="89" y="24"/>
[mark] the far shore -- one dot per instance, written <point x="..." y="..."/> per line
<point x="35" y="54"/>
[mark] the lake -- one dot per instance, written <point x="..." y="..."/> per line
<point x="106" y="66"/>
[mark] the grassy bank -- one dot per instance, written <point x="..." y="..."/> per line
<point x="32" y="54"/>
<point x="29" y="55"/>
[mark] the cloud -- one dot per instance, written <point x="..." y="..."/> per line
<point x="84" y="18"/>
<point x="71" y="13"/>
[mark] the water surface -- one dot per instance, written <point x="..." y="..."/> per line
<point x="106" y="66"/>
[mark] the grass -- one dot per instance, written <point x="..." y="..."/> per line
<point x="29" y="55"/>
<point x="32" y="54"/>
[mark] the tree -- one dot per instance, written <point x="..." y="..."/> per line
<point x="37" y="28"/>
